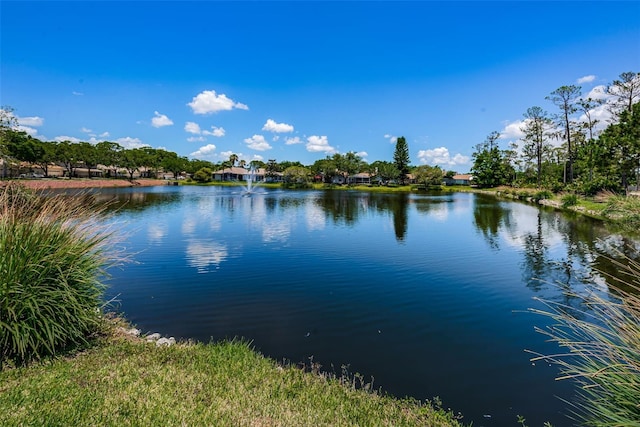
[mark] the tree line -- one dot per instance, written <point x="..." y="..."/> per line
<point x="17" y="146"/>
<point x="570" y="149"/>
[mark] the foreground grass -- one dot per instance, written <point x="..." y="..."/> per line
<point x="125" y="382"/>
<point x="602" y="343"/>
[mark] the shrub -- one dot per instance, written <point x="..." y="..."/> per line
<point x="53" y="254"/>
<point x="569" y="199"/>
<point x="543" y="194"/>
<point x="603" y="343"/>
<point x="203" y="175"/>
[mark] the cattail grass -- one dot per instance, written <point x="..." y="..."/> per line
<point x="602" y="340"/>
<point x="53" y="256"/>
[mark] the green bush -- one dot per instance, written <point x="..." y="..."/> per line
<point x="543" y="194"/>
<point x="52" y="256"/>
<point x="569" y="199"/>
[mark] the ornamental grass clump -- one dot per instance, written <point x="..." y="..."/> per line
<point x="53" y="255"/>
<point x="603" y="343"/>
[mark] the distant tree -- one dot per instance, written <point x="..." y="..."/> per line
<point x="401" y="158"/>
<point x="565" y="99"/>
<point x="233" y="159"/>
<point x="65" y="153"/>
<point x="428" y="175"/>
<point x="588" y="151"/>
<point x="108" y="155"/>
<point x="243" y="163"/>
<point x="8" y="123"/>
<point x="132" y="160"/>
<point x="623" y="140"/>
<point x="271" y="168"/>
<point x="347" y="164"/>
<point x="326" y="168"/>
<point x="490" y="165"/>
<point x="87" y="154"/>
<point x="203" y="175"/>
<point x="450" y="174"/>
<point x="625" y="92"/>
<point x="538" y="129"/>
<point x="177" y="164"/>
<point x="296" y="176"/>
<point x="256" y="164"/>
<point x="385" y="171"/>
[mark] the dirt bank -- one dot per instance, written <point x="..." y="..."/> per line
<point x="44" y="184"/>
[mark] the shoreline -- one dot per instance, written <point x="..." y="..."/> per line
<point x="80" y="183"/>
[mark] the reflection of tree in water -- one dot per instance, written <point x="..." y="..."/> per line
<point x="340" y="206"/>
<point x="132" y="201"/>
<point x="568" y="277"/>
<point x="398" y="209"/>
<point x="397" y="205"/>
<point x="614" y="256"/>
<point x="490" y="216"/>
<point x="345" y="207"/>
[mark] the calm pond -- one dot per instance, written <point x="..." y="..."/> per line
<point x="425" y="294"/>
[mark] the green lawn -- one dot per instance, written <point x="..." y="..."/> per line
<point x="128" y="382"/>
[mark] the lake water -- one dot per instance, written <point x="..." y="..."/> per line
<point x="425" y="294"/>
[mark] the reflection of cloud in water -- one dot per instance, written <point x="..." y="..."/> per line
<point x="276" y="231"/>
<point x="189" y="225"/>
<point x="315" y="217"/>
<point x="156" y="232"/>
<point x="524" y="223"/>
<point x="202" y="254"/>
<point x="215" y="223"/>
<point x="440" y="211"/>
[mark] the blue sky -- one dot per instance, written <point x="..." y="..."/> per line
<point x="303" y="80"/>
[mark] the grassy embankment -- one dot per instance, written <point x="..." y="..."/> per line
<point x="63" y="363"/>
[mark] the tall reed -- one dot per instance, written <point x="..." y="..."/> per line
<point x="603" y="350"/>
<point x="53" y="256"/>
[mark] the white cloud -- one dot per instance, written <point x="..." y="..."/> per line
<point x="275" y="138"/>
<point x="218" y="132"/>
<point x="317" y="144"/>
<point x="104" y="134"/>
<point x="258" y="143"/>
<point x="441" y="156"/>
<point x="160" y="120"/>
<point x="196" y="139"/>
<point x="30" y="121"/>
<point x="392" y="139"/>
<point x="62" y="138"/>
<point x="77" y="93"/>
<point x="192" y="127"/>
<point x="292" y="141"/>
<point x="586" y="79"/>
<point x="362" y="154"/>
<point x="204" y="151"/>
<point x="209" y="102"/>
<point x="226" y="154"/>
<point x="272" y="126"/>
<point x="513" y="130"/>
<point x="86" y="130"/>
<point x="128" y="142"/>
<point x="598" y="92"/>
